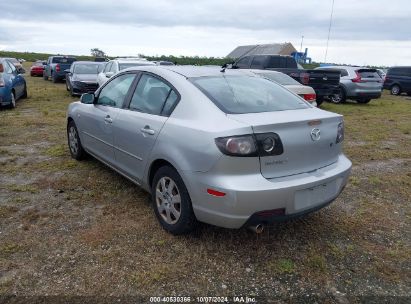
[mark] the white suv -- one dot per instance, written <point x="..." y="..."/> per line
<point x="118" y="64"/>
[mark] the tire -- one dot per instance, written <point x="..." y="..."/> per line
<point x="339" y="98"/>
<point x="71" y="92"/>
<point x="409" y="93"/>
<point x="320" y="100"/>
<point x="364" y="100"/>
<point x="24" y="96"/>
<point x="13" y="101"/>
<point x="67" y="86"/>
<point x="395" y="90"/>
<point x="169" y="193"/>
<point x="54" y="78"/>
<point x="45" y="77"/>
<point x="76" y="149"/>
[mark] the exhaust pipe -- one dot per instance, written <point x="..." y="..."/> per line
<point x="259" y="228"/>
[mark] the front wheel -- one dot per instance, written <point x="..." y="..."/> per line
<point x="13" y="101"/>
<point x="395" y="90"/>
<point x="171" y="202"/>
<point x="24" y="92"/>
<point x="74" y="143"/>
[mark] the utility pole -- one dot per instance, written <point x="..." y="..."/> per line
<point x="329" y="31"/>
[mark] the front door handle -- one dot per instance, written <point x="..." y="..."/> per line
<point x="108" y="119"/>
<point x="147" y="130"/>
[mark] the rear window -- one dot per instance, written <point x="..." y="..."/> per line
<point x="63" y="60"/>
<point x="369" y="73"/>
<point x="400" y="71"/>
<point x="247" y="94"/>
<point x="86" y="68"/>
<point x="280" y="78"/>
<point x="123" y="66"/>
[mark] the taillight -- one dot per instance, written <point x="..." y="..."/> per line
<point x="340" y="132"/>
<point x="309" y="97"/>
<point x="305" y="78"/>
<point x="263" y="144"/>
<point x="57" y="68"/>
<point x="357" y="77"/>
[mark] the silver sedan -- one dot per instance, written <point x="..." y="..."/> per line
<point x="211" y="145"/>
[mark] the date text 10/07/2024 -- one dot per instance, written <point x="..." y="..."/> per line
<point x="174" y="299"/>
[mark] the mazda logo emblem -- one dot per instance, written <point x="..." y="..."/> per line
<point x="315" y="134"/>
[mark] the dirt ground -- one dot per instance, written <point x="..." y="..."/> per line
<point x="71" y="228"/>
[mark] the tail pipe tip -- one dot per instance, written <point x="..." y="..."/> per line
<point x="259" y="228"/>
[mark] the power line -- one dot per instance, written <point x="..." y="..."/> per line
<point x="329" y="31"/>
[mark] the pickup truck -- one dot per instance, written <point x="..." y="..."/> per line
<point x="324" y="83"/>
<point x="56" y="66"/>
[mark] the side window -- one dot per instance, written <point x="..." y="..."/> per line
<point x="274" y="62"/>
<point x="113" y="67"/>
<point x="243" y="63"/>
<point x="7" y="68"/>
<point x="258" y="62"/>
<point x="107" y="67"/>
<point x="343" y="72"/>
<point x="114" y="93"/>
<point x="153" y="96"/>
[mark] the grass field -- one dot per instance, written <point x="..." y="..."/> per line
<point x="77" y="228"/>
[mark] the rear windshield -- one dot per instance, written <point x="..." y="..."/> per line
<point x="123" y="66"/>
<point x="247" y="94"/>
<point x="86" y="68"/>
<point x="63" y="60"/>
<point x="280" y="78"/>
<point x="369" y="73"/>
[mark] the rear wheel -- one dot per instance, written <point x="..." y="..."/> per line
<point x="395" y="90"/>
<point x="338" y="98"/>
<point x="74" y="143"/>
<point x="171" y="202"/>
<point x="54" y="78"/>
<point x="45" y="77"/>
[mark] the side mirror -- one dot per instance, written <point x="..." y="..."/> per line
<point x="1" y="68"/>
<point x="21" y="71"/>
<point x="67" y="71"/>
<point x="87" y="98"/>
<point x="109" y="74"/>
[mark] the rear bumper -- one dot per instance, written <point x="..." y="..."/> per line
<point x="365" y="94"/>
<point x="4" y="97"/>
<point x="247" y="195"/>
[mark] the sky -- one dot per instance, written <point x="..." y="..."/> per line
<point x="366" y="32"/>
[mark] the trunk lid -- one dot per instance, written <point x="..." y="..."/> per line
<point x="302" y="151"/>
<point x="324" y="77"/>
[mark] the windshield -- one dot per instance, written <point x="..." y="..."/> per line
<point x="246" y="94"/>
<point x="123" y="66"/>
<point x="86" y="68"/>
<point x="280" y="78"/>
<point x="63" y="60"/>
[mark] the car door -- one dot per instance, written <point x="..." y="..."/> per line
<point x="97" y="120"/>
<point x="17" y="81"/>
<point x="138" y="125"/>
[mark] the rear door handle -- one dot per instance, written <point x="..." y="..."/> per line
<point x="108" y="119"/>
<point x="147" y="130"/>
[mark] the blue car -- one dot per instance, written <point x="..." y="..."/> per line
<point x="12" y="84"/>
